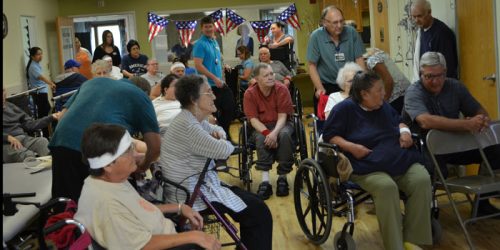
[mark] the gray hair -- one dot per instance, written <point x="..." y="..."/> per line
<point x="423" y="3"/>
<point x="100" y="64"/>
<point x="329" y="8"/>
<point x="432" y="58"/>
<point x="258" y="67"/>
<point x="348" y="67"/>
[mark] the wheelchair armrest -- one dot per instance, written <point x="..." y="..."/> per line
<point x="50" y="204"/>
<point x="60" y="224"/>
<point x="159" y="176"/>
<point x="328" y="145"/>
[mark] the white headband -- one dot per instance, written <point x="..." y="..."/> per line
<point x="177" y="65"/>
<point x="107" y="158"/>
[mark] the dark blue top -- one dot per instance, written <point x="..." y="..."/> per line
<point x="440" y="38"/>
<point x="377" y="130"/>
<point x="135" y="66"/>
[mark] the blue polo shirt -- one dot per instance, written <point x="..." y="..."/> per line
<point x="321" y="51"/>
<point x="208" y="50"/>
<point x="35" y="71"/>
<point x="104" y="100"/>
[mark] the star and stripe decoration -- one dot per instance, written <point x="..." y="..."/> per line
<point x="291" y="16"/>
<point x="186" y="30"/>
<point x="156" y="24"/>
<point x="261" y="28"/>
<point x="218" y="21"/>
<point x="233" y="20"/>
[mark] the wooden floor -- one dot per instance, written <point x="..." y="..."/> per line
<point x="287" y="233"/>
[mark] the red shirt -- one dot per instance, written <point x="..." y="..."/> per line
<point x="266" y="108"/>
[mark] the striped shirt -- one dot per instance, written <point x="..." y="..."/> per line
<point x="185" y="148"/>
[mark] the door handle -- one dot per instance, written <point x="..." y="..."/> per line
<point x="491" y="77"/>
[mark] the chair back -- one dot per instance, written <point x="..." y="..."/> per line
<point x="444" y="142"/>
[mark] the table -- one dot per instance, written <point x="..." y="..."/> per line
<point x="17" y="179"/>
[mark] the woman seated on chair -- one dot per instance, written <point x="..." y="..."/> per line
<point x="111" y="209"/>
<point x="379" y="147"/>
<point x="245" y="71"/>
<point x="185" y="147"/>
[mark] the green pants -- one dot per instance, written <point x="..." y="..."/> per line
<point x="415" y="226"/>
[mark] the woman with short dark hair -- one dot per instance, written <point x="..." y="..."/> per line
<point x="185" y="147"/>
<point x="166" y="106"/>
<point x="380" y="149"/>
<point x="107" y="47"/>
<point x="112" y="210"/>
<point x="134" y="63"/>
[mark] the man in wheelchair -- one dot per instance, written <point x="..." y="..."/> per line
<point x="268" y="107"/>
<point x="17" y="143"/>
<point x="379" y="147"/>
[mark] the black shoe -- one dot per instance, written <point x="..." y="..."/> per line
<point x="282" y="187"/>
<point x="485" y="208"/>
<point x="265" y="190"/>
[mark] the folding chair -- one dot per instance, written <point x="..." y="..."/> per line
<point x="440" y="143"/>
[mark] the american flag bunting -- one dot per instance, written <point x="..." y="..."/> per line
<point x="186" y="30"/>
<point x="233" y="20"/>
<point x="219" y="21"/>
<point x="261" y="28"/>
<point x="156" y="24"/>
<point x="291" y="16"/>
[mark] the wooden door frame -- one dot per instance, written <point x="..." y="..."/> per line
<point x="496" y="29"/>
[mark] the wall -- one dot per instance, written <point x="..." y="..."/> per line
<point x="308" y="13"/>
<point x="45" y="12"/>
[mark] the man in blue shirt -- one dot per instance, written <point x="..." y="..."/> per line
<point x="329" y="48"/>
<point x="208" y="62"/>
<point x="101" y="100"/>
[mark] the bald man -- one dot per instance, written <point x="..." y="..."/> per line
<point x="433" y="35"/>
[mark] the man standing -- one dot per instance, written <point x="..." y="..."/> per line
<point x="99" y="100"/>
<point x="208" y="62"/>
<point x="435" y="102"/>
<point x="153" y="75"/>
<point x="268" y="107"/>
<point x="433" y="35"/>
<point x="329" y="48"/>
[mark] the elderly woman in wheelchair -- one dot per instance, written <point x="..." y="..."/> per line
<point x="379" y="147"/>
<point x="189" y="141"/>
<point x="111" y="209"/>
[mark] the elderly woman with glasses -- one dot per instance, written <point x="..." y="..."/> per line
<point x="111" y="209"/>
<point x="189" y="141"/>
<point x="379" y="147"/>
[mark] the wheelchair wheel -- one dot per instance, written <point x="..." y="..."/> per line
<point x="302" y="140"/>
<point x="245" y="159"/>
<point x="312" y="201"/>
<point x="343" y="243"/>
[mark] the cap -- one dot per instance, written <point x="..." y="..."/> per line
<point x="71" y="63"/>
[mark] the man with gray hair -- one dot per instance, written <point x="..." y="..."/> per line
<point x="433" y="35"/>
<point x="435" y="102"/>
<point x="152" y="75"/>
<point x="268" y="107"/>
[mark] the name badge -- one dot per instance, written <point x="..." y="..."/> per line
<point x="339" y="57"/>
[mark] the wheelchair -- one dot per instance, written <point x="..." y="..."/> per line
<point x="246" y="157"/>
<point x="319" y="195"/>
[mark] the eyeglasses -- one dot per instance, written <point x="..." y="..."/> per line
<point x="335" y="23"/>
<point x="429" y="77"/>
<point x="209" y="93"/>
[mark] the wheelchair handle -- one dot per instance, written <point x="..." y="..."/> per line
<point x="55" y="98"/>
<point x="58" y="225"/>
<point x="27" y="92"/>
<point x="53" y="202"/>
<point x="313" y="116"/>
